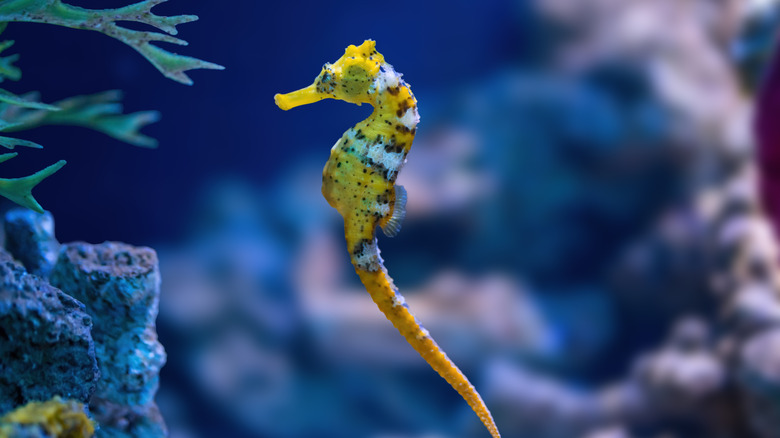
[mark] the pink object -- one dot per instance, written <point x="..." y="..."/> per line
<point x="767" y="131"/>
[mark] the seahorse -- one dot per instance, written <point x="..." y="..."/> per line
<point x="359" y="182"/>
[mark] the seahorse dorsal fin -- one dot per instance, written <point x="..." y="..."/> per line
<point x="393" y="225"/>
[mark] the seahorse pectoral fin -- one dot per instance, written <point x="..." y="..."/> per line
<point x="304" y="96"/>
<point x="393" y="225"/>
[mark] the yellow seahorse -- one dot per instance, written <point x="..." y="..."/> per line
<point x="359" y="182"/>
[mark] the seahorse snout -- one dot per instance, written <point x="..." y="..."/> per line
<point x="304" y="96"/>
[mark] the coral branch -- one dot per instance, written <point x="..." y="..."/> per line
<point x="19" y="190"/>
<point x="171" y="65"/>
<point x="10" y="143"/>
<point x="25" y="102"/>
<point x="7" y="69"/>
<point x="101" y="112"/>
<point x="6" y="157"/>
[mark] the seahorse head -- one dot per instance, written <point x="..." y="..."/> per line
<point x="351" y="78"/>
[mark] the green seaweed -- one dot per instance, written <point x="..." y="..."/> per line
<point x="105" y="21"/>
<point x="101" y="111"/>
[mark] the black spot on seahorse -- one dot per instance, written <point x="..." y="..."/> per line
<point x="394" y="90"/>
<point x="402" y="107"/>
<point x="360" y="247"/>
<point x="379" y="168"/>
<point x="394" y="147"/>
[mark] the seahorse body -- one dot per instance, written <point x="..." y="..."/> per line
<point x="359" y="182"/>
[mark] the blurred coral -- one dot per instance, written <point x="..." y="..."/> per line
<point x="584" y="235"/>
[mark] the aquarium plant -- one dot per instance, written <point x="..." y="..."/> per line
<point x="100" y="111"/>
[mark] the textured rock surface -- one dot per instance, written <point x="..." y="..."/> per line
<point x="30" y="240"/>
<point x="46" y="348"/>
<point x="120" y="286"/>
<point x="117" y="421"/>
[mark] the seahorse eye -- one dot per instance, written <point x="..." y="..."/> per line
<point x="356" y="80"/>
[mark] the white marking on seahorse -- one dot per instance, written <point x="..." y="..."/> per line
<point x="386" y="79"/>
<point x="398" y="299"/>
<point x="382" y="209"/>
<point x="369" y="258"/>
<point x="390" y="160"/>
<point x="411" y="118"/>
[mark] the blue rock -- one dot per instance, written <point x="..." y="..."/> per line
<point x="123" y="421"/>
<point x="120" y="286"/>
<point x="30" y="240"/>
<point x="46" y="348"/>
